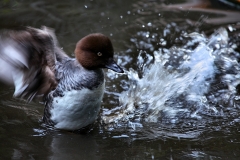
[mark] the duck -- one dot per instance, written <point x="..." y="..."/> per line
<point x="71" y="89"/>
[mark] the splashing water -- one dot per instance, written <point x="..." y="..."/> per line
<point x="197" y="79"/>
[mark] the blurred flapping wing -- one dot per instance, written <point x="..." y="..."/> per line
<point x="27" y="61"/>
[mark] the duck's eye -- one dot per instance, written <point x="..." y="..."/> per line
<point x="99" y="54"/>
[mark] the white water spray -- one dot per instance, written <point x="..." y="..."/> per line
<point x="170" y="89"/>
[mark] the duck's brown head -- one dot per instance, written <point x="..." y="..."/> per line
<point x="96" y="51"/>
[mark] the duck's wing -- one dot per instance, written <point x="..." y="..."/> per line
<point x="27" y="61"/>
<point x="59" y="53"/>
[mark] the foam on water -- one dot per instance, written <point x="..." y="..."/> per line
<point x="187" y="81"/>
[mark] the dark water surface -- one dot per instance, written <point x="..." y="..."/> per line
<point x="134" y="27"/>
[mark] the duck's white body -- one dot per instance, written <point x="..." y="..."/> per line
<point x="78" y="108"/>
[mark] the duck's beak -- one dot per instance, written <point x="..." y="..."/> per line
<point x="113" y="66"/>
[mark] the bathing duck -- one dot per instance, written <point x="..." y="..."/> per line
<point x="72" y="88"/>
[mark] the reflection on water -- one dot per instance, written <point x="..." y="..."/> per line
<point x="229" y="16"/>
<point x="177" y="75"/>
<point x="70" y="146"/>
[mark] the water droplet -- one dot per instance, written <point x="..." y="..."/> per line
<point x="164" y="43"/>
<point x="128" y="12"/>
<point x="152" y="156"/>
<point x="203" y="99"/>
<point x="149" y="24"/>
<point x="143" y="26"/>
<point x="121" y="17"/>
<point x="85" y="6"/>
<point x="234" y="46"/>
<point x="217" y="46"/>
<point x="231" y="28"/>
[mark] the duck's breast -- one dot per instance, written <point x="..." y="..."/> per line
<point x="77" y="108"/>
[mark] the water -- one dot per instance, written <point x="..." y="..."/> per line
<point x="178" y="99"/>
